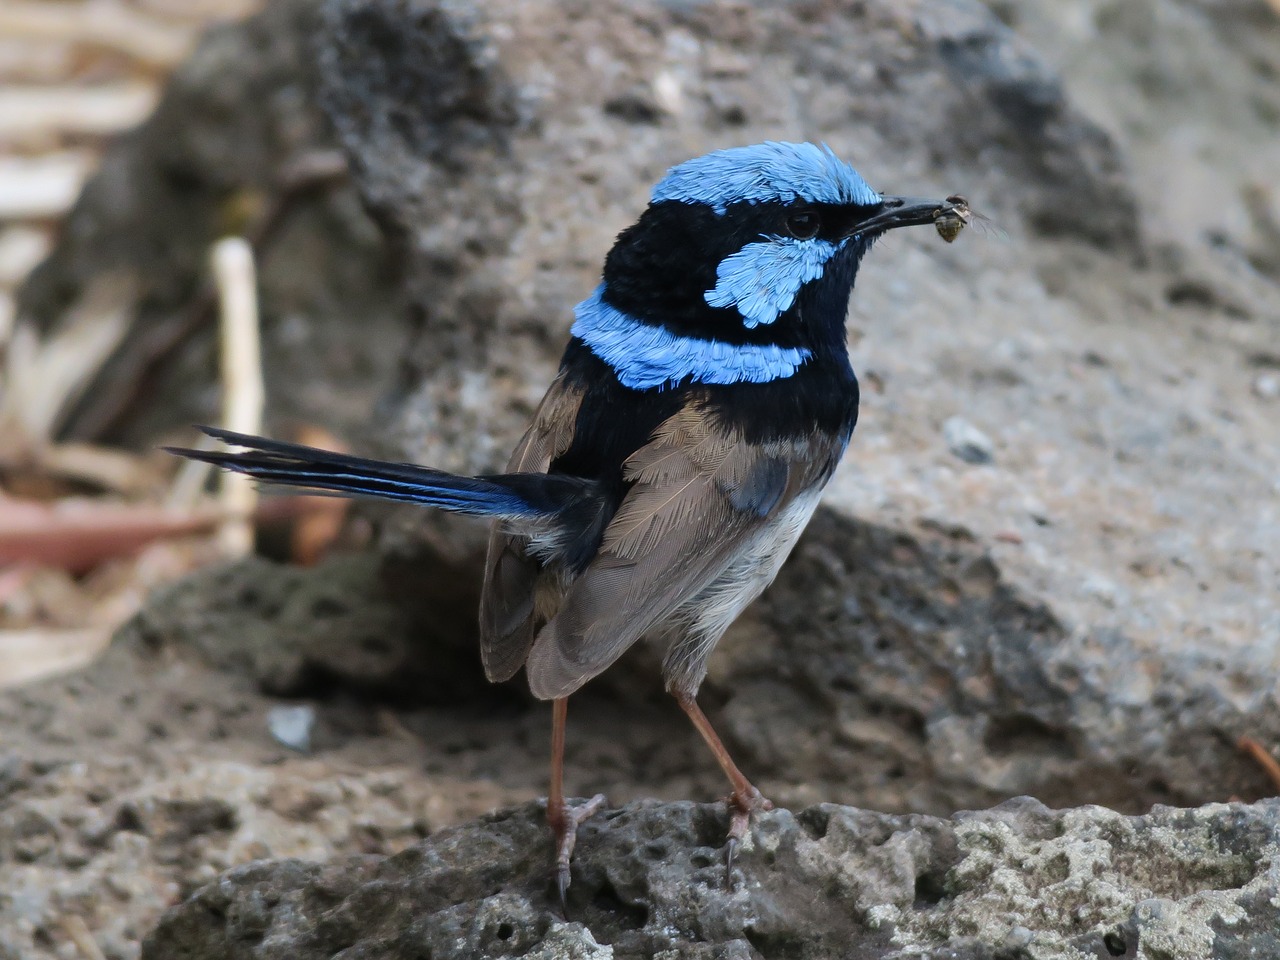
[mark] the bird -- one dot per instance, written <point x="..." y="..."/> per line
<point x="702" y="403"/>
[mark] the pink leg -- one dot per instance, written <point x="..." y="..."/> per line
<point x="745" y="799"/>
<point x="562" y="820"/>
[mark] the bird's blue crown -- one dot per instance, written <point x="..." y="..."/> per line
<point x="773" y="170"/>
<point x="758" y="282"/>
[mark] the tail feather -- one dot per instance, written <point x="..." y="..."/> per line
<point x="293" y="464"/>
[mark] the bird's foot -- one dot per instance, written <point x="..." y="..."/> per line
<point x="742" y="804"/>
<point x="564" y="827"/>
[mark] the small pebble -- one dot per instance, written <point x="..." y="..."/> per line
<point x="1267" y="386"/>
<point x="292" y="726"/>
<point x="968" y="442"/>
<point x="1018" y="938"/>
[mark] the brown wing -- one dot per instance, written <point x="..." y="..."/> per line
<point x="697" y="496"/>
<point x="507" y="621"/>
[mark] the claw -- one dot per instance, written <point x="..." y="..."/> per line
<point x="741" y="808"/>
<point x="562" y="888"/>
<point x="564" y="826"/>
<point x="745" y="799"/>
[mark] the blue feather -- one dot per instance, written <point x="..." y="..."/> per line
<point x="766" y="171"/>
<point x="762" y="279"/>
<point x="291" y="464"/>
<point x="644" y="356"/>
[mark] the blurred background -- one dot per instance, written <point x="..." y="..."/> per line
<point x="72" y="77"/>
<point x="1049" y="565"/>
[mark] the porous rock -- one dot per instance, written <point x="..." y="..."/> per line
<point x="361" y="623"/>
<point x="1017" y="881"/>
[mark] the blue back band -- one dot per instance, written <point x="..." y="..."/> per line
<point x="644" y="356"/>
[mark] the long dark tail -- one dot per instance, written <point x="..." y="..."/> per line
<point x="510" y="496"/>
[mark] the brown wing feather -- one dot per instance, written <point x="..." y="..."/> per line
<point x="680" y="525"/>
<point x="511" y="576"/>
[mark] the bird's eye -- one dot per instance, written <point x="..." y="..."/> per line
<point x="804" y="224"/>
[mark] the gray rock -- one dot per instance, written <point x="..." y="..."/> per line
<point x="1063" y="661"/>
<point x="1020" y="880"/>
<point x="901" y="671"/>
<point x="508" y="183"/>
<point x="372" y="626"/>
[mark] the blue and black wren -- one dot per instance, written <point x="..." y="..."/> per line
<point x="702" y="404"/>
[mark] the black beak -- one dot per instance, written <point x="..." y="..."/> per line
<point x="903" y="212"/>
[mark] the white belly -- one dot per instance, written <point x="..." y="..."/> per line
<point x="707" y="616"/>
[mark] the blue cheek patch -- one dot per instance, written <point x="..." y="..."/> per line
<point x="762" y="279"/>
<point x="645" y="356"/>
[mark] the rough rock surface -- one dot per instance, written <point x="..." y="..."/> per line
<point x="1086" y="617"/>
<point x="1017" y="881"/>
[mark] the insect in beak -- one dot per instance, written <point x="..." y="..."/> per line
<point x="949" y="220"/>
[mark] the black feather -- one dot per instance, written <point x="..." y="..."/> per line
<point x="294" y="464"/>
